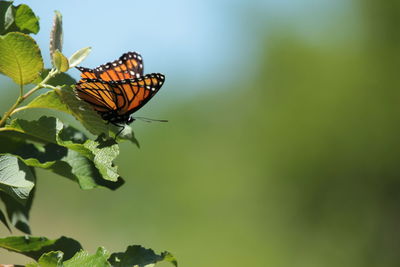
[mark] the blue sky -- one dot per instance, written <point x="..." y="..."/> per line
<point x="192" y="42"/>
<point x="191" y="39"/>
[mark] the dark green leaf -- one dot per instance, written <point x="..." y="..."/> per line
<point x="20" y="57"/>
<point x="140" y="257"/>
<point x="73" y="147"/>
<point x="56" y="35"/>
<point x="26" y="20"/>
<point x="83" y="259"/>
<point x="45" y="129"/>
<point x="16" y="179"/>
<point x="35" y="247"/>
<point x="58" y="159"/>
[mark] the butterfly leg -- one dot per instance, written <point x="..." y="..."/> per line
<point x="120" y="131"/>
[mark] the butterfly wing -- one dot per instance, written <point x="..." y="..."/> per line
<point x="86" y="74"/>
<point x="132" y="94"/>
<point x="97" y="93"/>
<point x="128" y="66"/>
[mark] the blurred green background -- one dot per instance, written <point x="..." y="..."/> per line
<point x="287" y="156"/>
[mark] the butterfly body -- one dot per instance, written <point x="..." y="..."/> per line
<point x="116" y="119"/>
<point x="119" y="88"/>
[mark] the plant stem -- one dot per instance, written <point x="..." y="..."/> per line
<point x="22" y="97"/>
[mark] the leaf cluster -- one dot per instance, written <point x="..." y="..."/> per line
<point x="47" y="253"/>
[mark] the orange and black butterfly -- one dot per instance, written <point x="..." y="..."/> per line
<point x="117" y="89"/>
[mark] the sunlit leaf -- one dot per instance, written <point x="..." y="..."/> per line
<point x="83" y="259"/>
<point x="26" y="20"/>
<point x="51" y="259"/>
<point x="49" y="100"/>
<point x="60" y="61"/>
<point x="79" y="56"/>
<point x="20" y="57"/>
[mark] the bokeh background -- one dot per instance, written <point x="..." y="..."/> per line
<point x="283" y="142"/>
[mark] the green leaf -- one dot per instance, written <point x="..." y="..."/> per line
<point x="20" y="57"/>
<point x="60" y="61"/>
<point x="79" y="56"/>
<point x="83" y="259"/>
<point x="51" y="259"/>
<point x="56" y="35"/>
<point x="98" y="153"/>
<point x="26" y="20"/>
<point x="50" y="100"/>
<point x="35" y="247"/>
<point x="139" y="256"/>
<point x="101" y="152"/>
<point x="16" y="179"/>
<point x="58" y="159"/>
<point x="43" y="130"/>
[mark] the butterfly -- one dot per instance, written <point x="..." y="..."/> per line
<point x="117" y="89"/>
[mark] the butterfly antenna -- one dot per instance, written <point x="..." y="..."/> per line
<point x="149" y="120"/>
